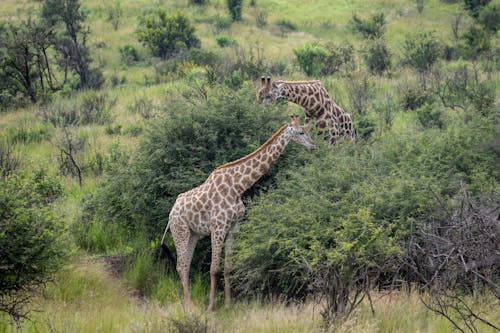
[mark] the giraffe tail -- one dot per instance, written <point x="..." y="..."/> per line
<point x="164" y="246"/>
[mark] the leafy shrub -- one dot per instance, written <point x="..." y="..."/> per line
<point x="334" y="230"/>
<point x="90" y="107"/>
<point x="31" y="238"/>
<point x="115" y="12"/>
<point x="377" y="57"/>
<point x="222" y="22"/>
<point x="166" y="35"/>
<point x="430" y="116"/>
<point x="339" y="56"/>
<point x="421" y="51"/>
<point x="413" y="98"/>
<point x="128" y="54"/>
<point x="475" y="6"/>
<point x="365" y="125"/>
<point x="224" y="41"/>
<point x="476" y="41"/>
<point x="489" y="17"/>
<point x="177" y="153"/>
<point x="311" y="58"/>
<point x="371" y="29"/>
<point x="235" y="7"/>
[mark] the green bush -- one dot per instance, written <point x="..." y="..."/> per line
<point x="166" y="35"/>
<point x="311" y="58"/>
<point x="177" y="153"/>
<point x="129" y="54"/>
<point x="339" y="57"/>
<point x="430" y="116"/>
<point x="235" y="7"/>
<point x="224" y="41"/>
<point x="32" y="239"/>
<point x="476" y="41"/>
<point x="370" y="29"/>
<point x="363" y="210"/>
<point x="489" y="16"/>
<point x="421" y="51"/>
<point x="377" y="57"/>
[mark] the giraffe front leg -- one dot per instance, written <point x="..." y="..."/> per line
<point x="228" y="263"/>
<point x="217" y="243"/>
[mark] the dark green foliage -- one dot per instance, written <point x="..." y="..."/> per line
<point x="413" y="98"/>
<point x="430" y="116"/>
<point x="365" y="125"/>
<point x="339" y="57"/>
<point x="68" y="20"/>
<point x="421" y="51"/>
<point x="377" y="57"/>
<point x="311" y="58"/>
<point x="128" y="54"/>
<point x="224" y="41"/>
<point x="24" y="61"/>
<point x="322" y="222"/>
<point x="489" y="17"/>
<point x="178" y="152"/>
<point x="235" y="7"/>
<point x="476" y="41"/>
<point x="373" y="28"/>
<point x="475" y="6"/>
<point x="31" y="238"/>
<point x="166" y="34"/>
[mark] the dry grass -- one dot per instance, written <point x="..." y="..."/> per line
<point x="87" y="297"/>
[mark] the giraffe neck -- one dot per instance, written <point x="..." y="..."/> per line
<point x="247" y="170"/>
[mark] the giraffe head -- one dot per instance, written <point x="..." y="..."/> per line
<point x="298" y="134"/>
<point x="269" y="91"/>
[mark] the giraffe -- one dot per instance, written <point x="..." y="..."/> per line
<point x="215" y="207"/>
<point x="318" y="106"/>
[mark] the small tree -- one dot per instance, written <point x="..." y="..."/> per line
<point x="165" y="35"/>
<point x="30" y="239"/>
<point x="373" y="28"/>
<point x="420" y="52"/>
<point x="311" y="58"/>
<point x="377" y="57"/>
<point x="234" y="7"/>
<point x="24" y="61"/>
<point x="68" y="19"/>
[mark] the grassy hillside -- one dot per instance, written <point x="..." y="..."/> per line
<point x="149" y="144"/>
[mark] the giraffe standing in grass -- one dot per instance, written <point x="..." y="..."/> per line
<point x="318" y="106"/>
<point x="215" y="207"/>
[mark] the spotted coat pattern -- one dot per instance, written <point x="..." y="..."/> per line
<point x="319" y="108"/>
<point x="215" y="207"/>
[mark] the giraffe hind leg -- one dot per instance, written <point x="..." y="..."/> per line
<point x="185" y="243"/>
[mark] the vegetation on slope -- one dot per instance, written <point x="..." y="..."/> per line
<point x="101" y="167"/>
